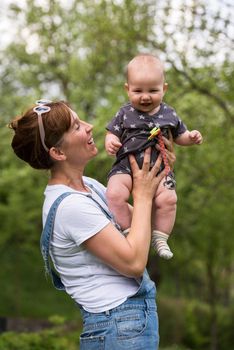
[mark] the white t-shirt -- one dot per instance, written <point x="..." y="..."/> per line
<point x="91" y="283"/>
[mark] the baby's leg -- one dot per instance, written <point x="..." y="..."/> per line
<point x="165" y="214"/>
<point x="164" y="219"/>
<point x="118" y="191"/>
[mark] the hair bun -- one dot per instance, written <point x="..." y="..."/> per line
<point x="13" y="124"/>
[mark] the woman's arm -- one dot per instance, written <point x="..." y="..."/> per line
<point x="129" y="255"/>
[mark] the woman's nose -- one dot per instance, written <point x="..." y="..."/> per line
<point x="88" y="126"/>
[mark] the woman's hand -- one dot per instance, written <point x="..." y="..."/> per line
<point x="145" y="180"/>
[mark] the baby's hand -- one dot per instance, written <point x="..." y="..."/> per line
<point x="112" y="144"/>
<point x="196" y="137"/>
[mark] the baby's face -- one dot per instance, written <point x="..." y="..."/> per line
<point x="146" y="87"/>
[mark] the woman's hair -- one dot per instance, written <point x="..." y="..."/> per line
<point x="26" y="142"/>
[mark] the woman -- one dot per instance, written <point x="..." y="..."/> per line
<point x="100" y="268"/>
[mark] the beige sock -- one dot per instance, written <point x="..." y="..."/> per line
<point x="159" y="243"/>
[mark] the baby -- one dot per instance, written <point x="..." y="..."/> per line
<point x="136" y="126"/>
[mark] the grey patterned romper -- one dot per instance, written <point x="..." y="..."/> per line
<point x="133" y="129"/>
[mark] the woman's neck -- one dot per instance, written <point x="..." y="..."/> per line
<point x="73" y="180"/>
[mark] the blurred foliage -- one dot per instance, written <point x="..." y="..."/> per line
<point x="188" y="323"/>
<point x="78" y="51"/>
<point x="52" y="339"/>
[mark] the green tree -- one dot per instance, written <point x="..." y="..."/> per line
<point x="77" y="51"/>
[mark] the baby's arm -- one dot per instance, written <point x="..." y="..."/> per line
<point x="188" y="138"/>
<point x="112" y="144"/>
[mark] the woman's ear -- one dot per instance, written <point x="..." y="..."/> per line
<point x="57" y="154"/>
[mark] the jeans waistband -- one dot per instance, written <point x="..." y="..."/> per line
<point x="137" y="303"/>
<point x="130" y="303"/>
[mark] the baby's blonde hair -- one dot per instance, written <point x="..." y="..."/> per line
<point x="144" y="59"/>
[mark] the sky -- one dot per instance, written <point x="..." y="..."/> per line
<point x="8" y="30"/>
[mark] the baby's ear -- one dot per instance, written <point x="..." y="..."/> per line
<point x="126" y="86"/>
<point x="165" y="87"/>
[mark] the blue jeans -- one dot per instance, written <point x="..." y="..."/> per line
<point x="132" y="325"/>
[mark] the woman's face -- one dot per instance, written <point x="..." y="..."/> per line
<point x="78" y="144"/>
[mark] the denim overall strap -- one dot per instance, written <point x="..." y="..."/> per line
<point x="146" y="287"/>
<point x="48" y="231"/>
<point x="45" y="242"/>
<point x="99" y="193"/>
